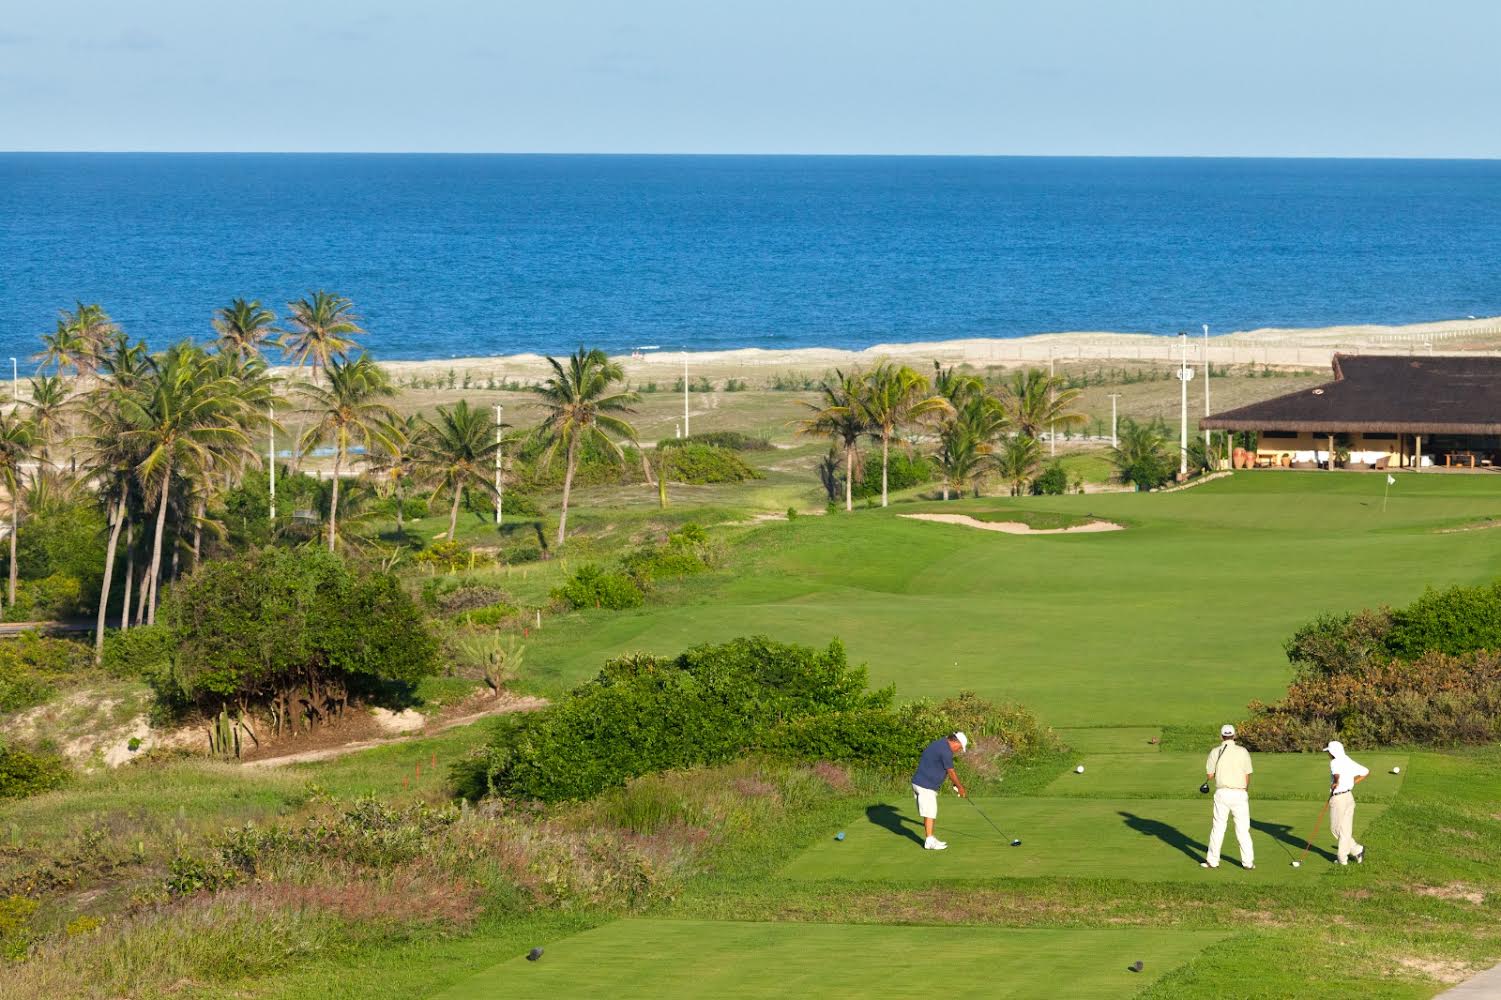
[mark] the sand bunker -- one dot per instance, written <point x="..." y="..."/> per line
<point x="1013" y="527"/>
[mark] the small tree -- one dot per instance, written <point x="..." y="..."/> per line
<point x="1142" y="456"/>
<point x="1017" y="460"/>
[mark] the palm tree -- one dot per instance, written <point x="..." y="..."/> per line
<point x="457" y="452"/>
<point x="966" y="442"/>
<point x="244" y="327"/>
<point x="322" y="330"/>
<point x="393" y="461"/>
<point x="48" y="406"/>
<point x="183" y="416"/>
<point x="839" y="416"/>
<point x="581" y="410"/>
<point x="1017" y="461"/>
<point x="348" y="410"/>
<point x="1037" y="402"/>
<point x="892" y="396"/>
<point x="17" y="440"/>
<point x="113" y="462"/>
<point x="1141" y="457"/>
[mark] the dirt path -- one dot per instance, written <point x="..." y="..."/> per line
<point x="502" y="706"/>
<point x="1013" y="527"/>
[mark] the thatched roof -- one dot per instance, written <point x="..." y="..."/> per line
<point x="1455" y="394"/>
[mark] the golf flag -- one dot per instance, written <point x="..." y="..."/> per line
<point x="1391" y="480"/>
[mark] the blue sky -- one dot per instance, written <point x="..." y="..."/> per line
<point x="1130" y="77"/>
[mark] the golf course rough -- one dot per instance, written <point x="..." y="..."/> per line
<point x="643" y="959"/>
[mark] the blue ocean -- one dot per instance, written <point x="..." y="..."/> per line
<point x="475" y="255"/>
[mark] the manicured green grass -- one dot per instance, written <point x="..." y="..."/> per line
<point x="1146" y="840"/>
<point x="1179" y="619"/>
<point x="739" y="961"/>
<point x="1112" y="739"/>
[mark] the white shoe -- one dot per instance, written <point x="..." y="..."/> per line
<point x="1249" y="868"/>
<point x="1205" y="864"/>
<point x="933" y="844"/>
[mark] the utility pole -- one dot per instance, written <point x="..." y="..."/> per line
<point x="15" y="380"/>
<point x="686" y="432"/>
<point x="1183" y="377"/>
<point x="271" y="457"/>
<point x="1115" y="442"/>
<point x="500" y="497"/>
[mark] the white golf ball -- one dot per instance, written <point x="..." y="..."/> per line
<point x="1079" y="769"/>
<point x="1297" y="864"/>
<point x="1396" y="770"/>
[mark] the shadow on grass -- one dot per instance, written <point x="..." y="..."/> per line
<point x="887" y="817"/>
<point x="1283" y="834"/>
<point x="1166" y="833"/>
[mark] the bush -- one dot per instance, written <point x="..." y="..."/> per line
<point x="904" y="471"/>
<point x="31" y="666"/>
<point x="448" y="596"/>
<point x="143" y="651"/>
<point x="1337" y="644"/>
<point x="293" y="631"/>
<point x="712" y="704"/>
<point x="48" y="599"/>
<point x="450" y="557"/>
<point x="730" y="440"/>
<point x="702" y="464"/>
<point x="686" y="551"/>
<point x="489" y="616"/>
<point x="1454" y="621"/>
<point x="28" y="771"/>
<point x="592" y="587"/>
<point x="1051" y="482"/>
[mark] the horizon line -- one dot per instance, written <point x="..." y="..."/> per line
<point x="750" y="154"/>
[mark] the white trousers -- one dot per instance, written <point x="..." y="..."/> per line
<point x="1342" y="825"/>
<point x="1231" y="802"/>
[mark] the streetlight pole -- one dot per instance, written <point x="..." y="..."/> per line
<point x="1115" y="442"/>
<point x="1052" y="426"/>
<point x="1183" y="377"/>
<point x="15" y="380"/>
<point x="1207" y="431"/>
<point x="500" y="497"/>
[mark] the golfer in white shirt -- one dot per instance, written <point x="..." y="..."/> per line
<point x="1344" y="775"/>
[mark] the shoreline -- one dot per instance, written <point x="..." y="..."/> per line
<point x="1280" y="346"/>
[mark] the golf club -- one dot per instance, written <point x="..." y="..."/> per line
<point x="1316" y="824"/>
<point x="1015" y="841"/>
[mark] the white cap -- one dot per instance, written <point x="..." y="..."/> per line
<point x="1227" y="730"/>
<point x="963" y="742"/>
<point x="1335" y="747"/>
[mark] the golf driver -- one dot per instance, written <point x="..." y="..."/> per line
<point x="1316" y="824"/>
<point x="1015" y="842"/>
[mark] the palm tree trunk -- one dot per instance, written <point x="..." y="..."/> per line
<point x="400" y="502"/>
<point x="885" y="460"/>
<point x="109" y="572"/>
<point x="156" y="545"/>
<point x="567" y="487"/>
<point x="646" y="468"/>
<point x="849" y="477"/>
<point x="15" y="526"/>
<point x="130" y="577"/>
<point x="453" y="511"/>
<point x="145" y="592"/>
<point x="197" y="534"/>
<point x="333" y="503"/>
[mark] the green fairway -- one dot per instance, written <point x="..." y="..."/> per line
<point x="1147" y="840"/>
<point x="1178" y="775"/>
<point x="732" y="960"/>
<point x="1179" y="619"/>
<point x="1112" y="739"/>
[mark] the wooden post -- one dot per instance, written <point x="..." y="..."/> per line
<point x="1417" y="453"/>
<point x="1331" y="453"/>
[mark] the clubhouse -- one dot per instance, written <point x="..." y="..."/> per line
<point x="1380" y="412"/>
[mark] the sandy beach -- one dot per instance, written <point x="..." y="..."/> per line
<point x="1308" y="348"/>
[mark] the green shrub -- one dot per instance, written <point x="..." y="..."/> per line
<point x="489" y="616"/>
<point x="141" y="652"/>
<point x="1454" y="621"/>
<point x="48" y="598"/>
<point x="33" y="665"/>
<point x="702" y="464"/>
<point x="712" y="704"/>
<point x="29" y="770"/>
<point x="731" y="440"/>
<point x="592" y="587"/>
<point x="1051" y="482"/>
<point x="686" y="551"/>
<point x="1337" y="644"/>
<point x="904" y="471"/>
<point x="450" y="557"/>
<point x="292" y="630"/>
<point x="448" y="596"/>
<point x="16" y="930"/>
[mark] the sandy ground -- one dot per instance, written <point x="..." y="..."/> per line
<point x="1012" y="527"/>
<point x="1275" y="346"/>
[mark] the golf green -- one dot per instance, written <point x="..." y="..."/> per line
<point x="1302" y="777"/>
<point x="736" y="961"/>
<point x="1146" y="840"/>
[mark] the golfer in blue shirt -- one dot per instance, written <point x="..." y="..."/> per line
<point x="936" y="764"/>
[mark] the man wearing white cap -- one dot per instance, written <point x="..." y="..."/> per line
<point x="1229" y="767"/>
<point x="1344" y="775"/>
<point x="935" y="765"/>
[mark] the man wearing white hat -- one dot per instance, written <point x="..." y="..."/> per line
<point x="934" y="766"/>
<point x="1344" y="775"/>
<point x="1229" y="767"/>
